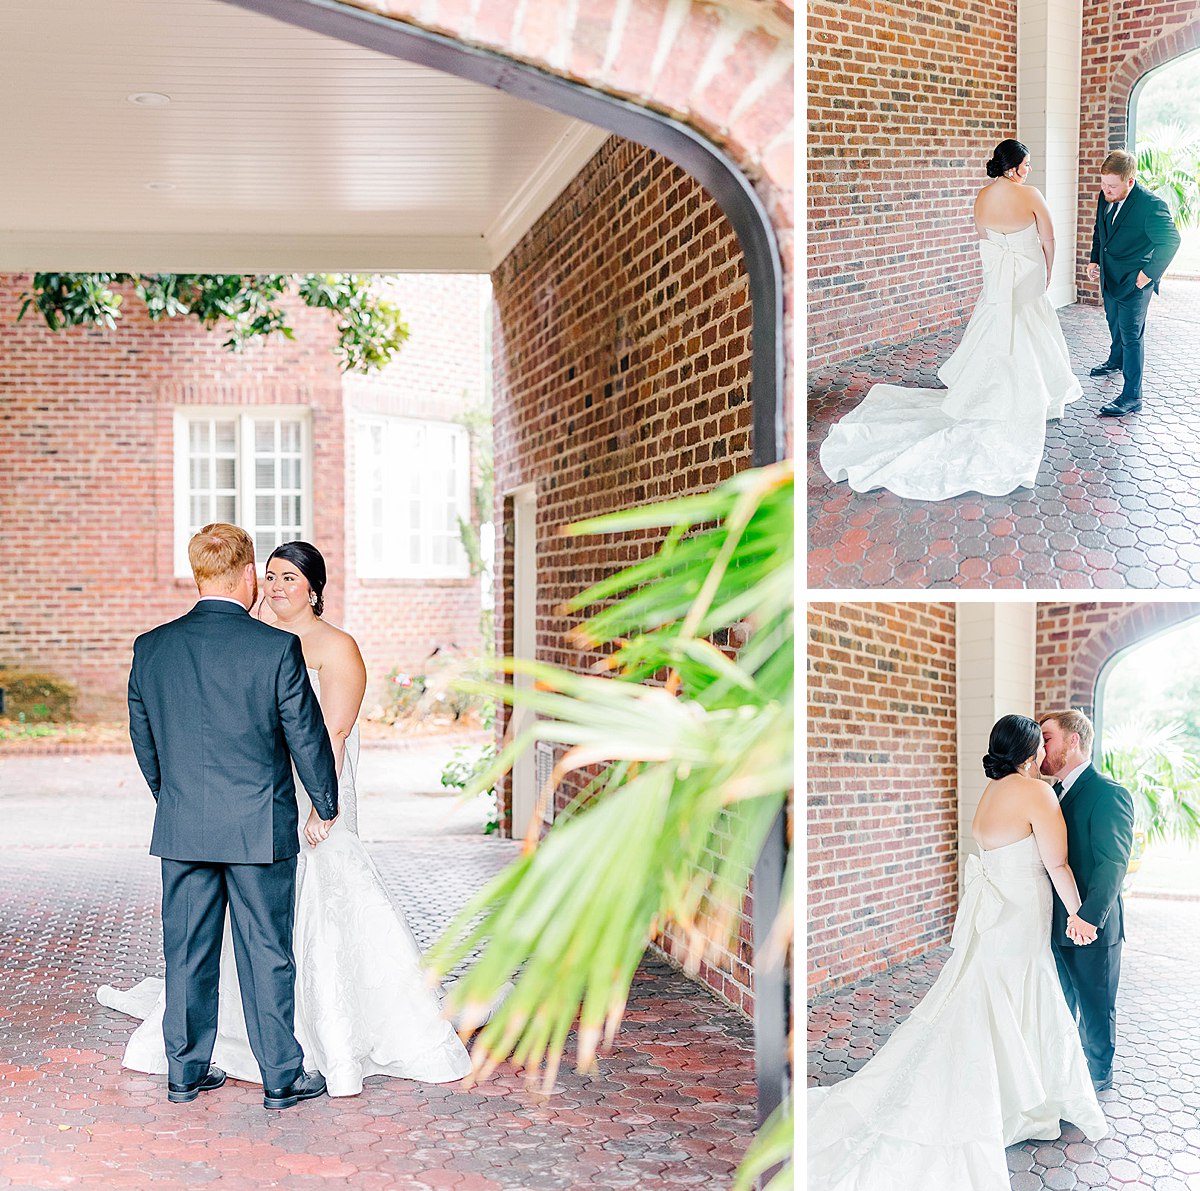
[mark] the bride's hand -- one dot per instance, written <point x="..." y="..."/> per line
<point x="317" y="829"/>
<point x="1081" y="933"/>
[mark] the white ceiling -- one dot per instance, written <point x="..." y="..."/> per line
<point x="283" y="150"/>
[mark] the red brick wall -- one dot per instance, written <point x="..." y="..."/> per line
<point x="882" y="790"/>
<point x="1122" y="41"/>
<point x="1075" y="641"/>
<point x="905" y="105"/>
<point x="621" y="361"/>
<point x="86" y="498"/>
<point x="86" y="463"/>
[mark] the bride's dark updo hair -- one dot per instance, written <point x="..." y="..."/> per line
<point x="1008" y="155"/>
<point x="1014" y="739"/>
<point x="307" y="559"/>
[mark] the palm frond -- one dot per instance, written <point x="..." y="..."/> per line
<point x="691" y="775"/>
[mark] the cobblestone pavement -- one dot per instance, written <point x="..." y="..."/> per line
<point x="673" y="1106"/>
<point x="1116" y="503"/>
<point x="1153" y="1109"/>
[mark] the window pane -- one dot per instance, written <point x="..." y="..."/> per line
<point x="225" y="474"/>
<point x="198" y="473"/>
<point x="198" y="437"/>
<point x="226" y="508"/>
<point x="264" y="474"/>
<point x="289" y="436"/>
<point x="264" y="437"/>
<point x="291" y="512"/>
<point x="226" y="437"/>
<point x="289" y="473"/>
<point x="264" y="543"/>
<point x="198" y="509"/>
<point x="264" y="510"/>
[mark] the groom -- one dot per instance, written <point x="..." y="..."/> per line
<point x="220" y="706"/>
<point x="1133" y="242"/>
<point x="1099" y="818"/>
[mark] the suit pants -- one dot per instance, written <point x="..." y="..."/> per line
<point x="1089" y="977"/>
<point x="261" y="901"/>
<point x="1126" y="327"/>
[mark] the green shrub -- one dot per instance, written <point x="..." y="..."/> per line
<point x="462" y="769"/>
<point x="31" y="697"/>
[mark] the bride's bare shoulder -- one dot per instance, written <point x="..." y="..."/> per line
<point x="1033" y="788"/>
<point x="333" y="649"/>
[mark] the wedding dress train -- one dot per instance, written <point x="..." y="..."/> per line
<point x="986" y="431"/>
<point x="363" y="1006"/>
<point x="990" y="1057"/>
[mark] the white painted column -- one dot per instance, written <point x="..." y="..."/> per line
<point x="996" y="656"/>
<point x="1049" y="53"/>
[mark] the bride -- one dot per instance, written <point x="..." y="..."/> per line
<point x="991" y="1056"/>
<point x="362" y="1003"/>
<point x="986" y="431"/>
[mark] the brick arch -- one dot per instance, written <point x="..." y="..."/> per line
<point x="725" y="68"/>
<point x="1076" y="642"/>
<point x="1123" y="41"/>
<point x="1165" y="49"/>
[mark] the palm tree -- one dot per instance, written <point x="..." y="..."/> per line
<point x="692" y="747"/>
<point x="1149" y="759"/>
<point x="1168" y="164"/>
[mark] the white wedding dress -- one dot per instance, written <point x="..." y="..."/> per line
<point x="986" y="431"/>
<point x="363" y="1006"/>
<point x="990" y="1057"/>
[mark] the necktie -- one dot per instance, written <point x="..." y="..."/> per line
<point x="1112" y="215"/>
<point x="1058" y="790"/>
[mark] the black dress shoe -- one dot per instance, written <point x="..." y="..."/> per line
<point x="304" y="1087"/>
<point x="1104" y="370"/>
<point x="185" y="1093"/>
<point x="1118" y="409"/>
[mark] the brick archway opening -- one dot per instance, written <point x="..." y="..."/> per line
<point x="1123" y="643"/>
<point x="1128" y="82"/>
<point x="446" y="39"/>
<point x="1078" y="644"/>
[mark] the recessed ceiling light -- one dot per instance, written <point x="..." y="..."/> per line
<point x="149" y="99"/>
<point x="160" y="185"/>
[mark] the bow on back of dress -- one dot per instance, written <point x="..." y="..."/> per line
<point x="1008" y="259"/>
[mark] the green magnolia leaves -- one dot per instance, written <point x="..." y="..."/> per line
<point x="370" y="328"/>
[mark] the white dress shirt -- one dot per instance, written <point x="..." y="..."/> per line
<point x="227" y="599"/>
<point x="1069" y="780"/>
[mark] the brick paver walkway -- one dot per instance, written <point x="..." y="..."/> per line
<point x="1153" y="1109"/>
<point x="672" y="1107"/>
<point x="1116" y="504"/>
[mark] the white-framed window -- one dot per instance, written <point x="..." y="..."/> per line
<point x="412" y="484"/>
<point x="250" y="467"/>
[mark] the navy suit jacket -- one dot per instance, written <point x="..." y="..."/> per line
<point x="220" y="706"/>
<point x="1143" y="240"/>
<point x="1100" y="818"/>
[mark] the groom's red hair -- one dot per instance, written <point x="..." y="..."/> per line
<point x="1073" y="721"/>
<point x="219" y="553"/>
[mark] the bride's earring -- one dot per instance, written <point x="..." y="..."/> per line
<point x="312" y="599"/>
